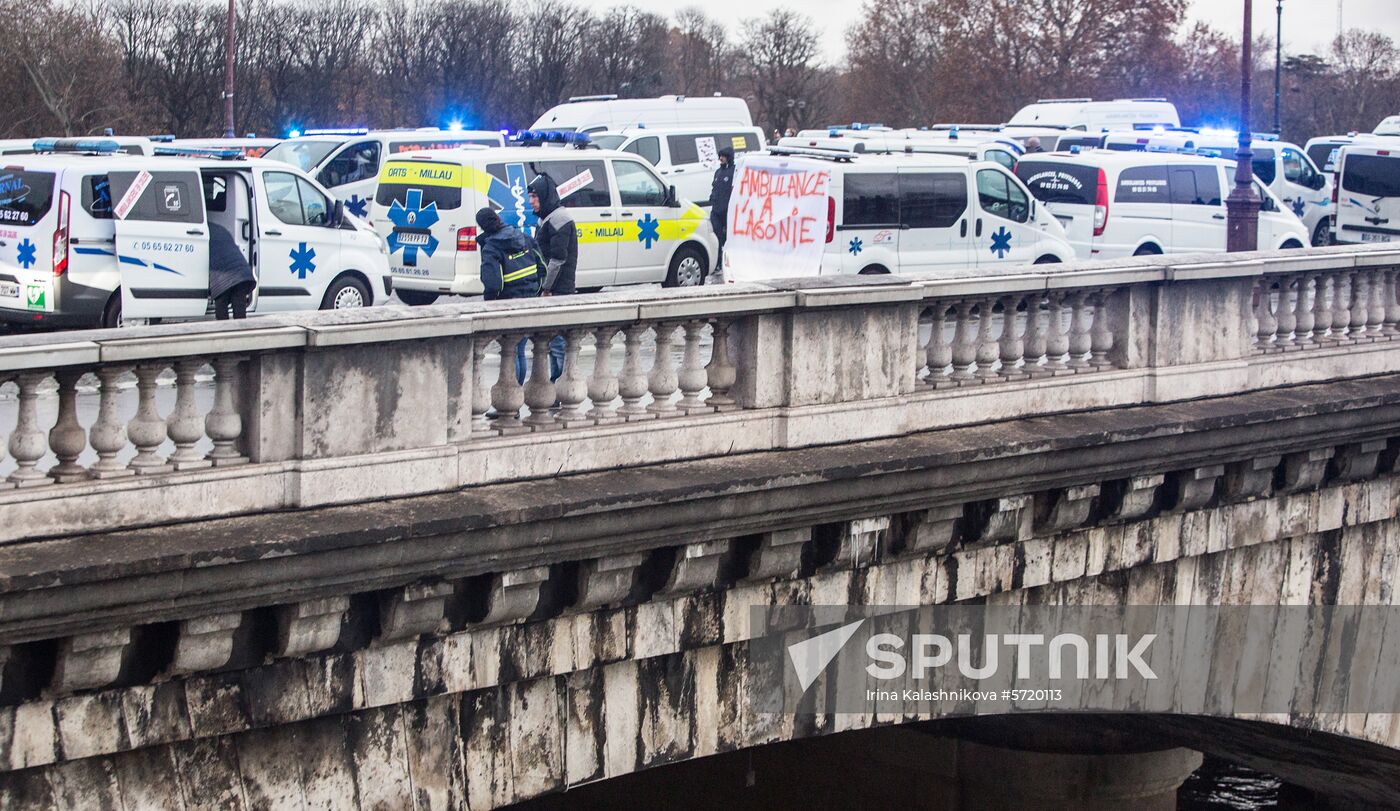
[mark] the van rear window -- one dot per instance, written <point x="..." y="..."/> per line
<point x="25" y="197"/>
<point x="1371" y="175"/>
<point x="446" y="197"/>
<point x="1054" y="182"/>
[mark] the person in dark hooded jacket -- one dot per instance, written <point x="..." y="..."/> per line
<point x="231" y="279"/>
<point x="720" y="190"/>
<point x="509" y="266"/>
<point x="556" y="237"/>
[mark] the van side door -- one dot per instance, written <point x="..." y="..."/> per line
<point x="650" y="230"/>
<point x="162" y="243"/>
<point x="298" y="250"/>
<point x="933" y="216"/>
<point x="868" y="232"/>
<point x="1198" y="208"/>
<point x="1003" y="232"/>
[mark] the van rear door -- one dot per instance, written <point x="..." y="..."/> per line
<point x="419" y="213"/>
<point x="29" y="230"/>
<point x="1070" y="191"/>
<point x="1368" y="200"/>
<point x="162" y="243"/>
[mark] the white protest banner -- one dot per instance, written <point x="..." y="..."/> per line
<point x="575" y="183"/>
<point x="777" y="219"/>
<point x="709" y="154"/>
<point x="128" y="201"/>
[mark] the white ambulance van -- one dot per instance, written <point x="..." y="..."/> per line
<point x="1368" y="190"/>
<point x="1115" y="204"/>
<point x="594" y="114"/>
<point x="347" y="161"/>
<point x="89" y="237"/>
<point x="899" y="212"/>
<point x="1098" y="116"/>
<point x="1284" y="167"/>
<point x="632" y="228"/>
<point x="685" y="157"/>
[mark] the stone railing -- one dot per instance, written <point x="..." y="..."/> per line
<point x="197" y="421"/>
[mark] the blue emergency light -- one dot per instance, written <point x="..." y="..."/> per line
<point x="338" y="131"/>
<point x="161" y="139"/>
<point x="93" y="146"/>
<point x="197" y="152"/>
<point x="540" y="137"/>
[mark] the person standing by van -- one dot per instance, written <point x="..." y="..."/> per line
<point x="556" y="239"/>
<point x="509" y="265"/>
<point x="231" y="280"/>
<point x="720" y="190"/>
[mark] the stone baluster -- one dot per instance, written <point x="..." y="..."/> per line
<point x="1303" y="312"/>
<point x="1357" y="305"/>
<point x="1265" y="325"/>
<point x="938" y="353"/>
<point x="1375" y="316"/>
<point x="507" y="396"/>
<point x="720" y="374"/>
<point x="632" y="384"/>
<point x="147" y="429"/>
<point x="1341" y="313"/>
<point x="539" y="389"/>
<point x="602" y="384"/>
<point x="964" y="349"/>
<point x="108" y="432"/>
<point x="28" y="443"/>
<point x="223" y="423"/>
<point x="572" y="387"/>
<point x="1101" y="334"/>
<point x="1391" y="306"/>
<point x="186" y="426"/>
<point x="1288" y="295"/>
<point x="663" y="381"/>
<point x="67" y="438"/>
<point x="1010" y="345"/>
<point x="1079" y="341"/>
<point x="1056" y="342"/>
<point x="987" y="350"/>
<point x="1034" y="338"/>
<point x="1324" y="291"/>
<point x="692" y="377"/>
<point x="481" y="393"/>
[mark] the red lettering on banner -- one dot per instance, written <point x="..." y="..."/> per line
<point x="759" y="222"/>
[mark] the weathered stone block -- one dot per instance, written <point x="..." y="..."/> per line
<point x="276" y="694"/>
<point x="310" y="626"/>
<point x="90" y="725"/>
<point x="933" y="530"/>
<point x="1006" y="519"/>
<point x="1304" y="470"/>
<point x="1139" y="495"/>
<point x="1193" y="489"/>
<point x="859" y="541"/>
<point x="91" y="660"/>
<point x="1064" y="509"/>
<point x="206" y="643"/>
<point x="33" y="739"/>
<point x="155" y="713"/>
<point x="516" y="594"/>
<point x="419" y="608"/>
<point x="607" y="580"/>
<point x="779" y="554"/>
<point x="1357" y="460"/>
<point x="1250" y="478"/>
<point x="699" y="566"/>
<point x="216" y="705"/>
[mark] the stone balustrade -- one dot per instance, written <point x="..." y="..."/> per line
<point x="304" y="410"/>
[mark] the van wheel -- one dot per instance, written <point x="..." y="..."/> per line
<point x="416" y="298"/>
<point x="346" y="293"/>
<point x="1322" y="235"/>
<point x="112" y="313"/>
<point x="688" y="268"/>
<point x="874" y="270"/>
<point x="1290" y="245"/>
<point x="1148" y="250"/>
<point x="1048" y="260"/>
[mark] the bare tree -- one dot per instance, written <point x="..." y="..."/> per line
<point x="782" y="69"/>
<point x="67" y="64"/>
<point x="700" y="58"/>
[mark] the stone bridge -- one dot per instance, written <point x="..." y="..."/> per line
<point x="342" y="567"/>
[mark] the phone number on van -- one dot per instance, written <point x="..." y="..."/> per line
<point x="167" y="247"/>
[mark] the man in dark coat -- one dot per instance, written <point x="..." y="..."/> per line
<point x="509" y="266"/>
<point x="231" y="279"/>
<point x="720" y="190"/>
<point x="556" y="236"/>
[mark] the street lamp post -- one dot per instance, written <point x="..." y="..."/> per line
<point x="1242" y="206"/>
<point x="229" y="131"/>
<point x="1278" y="72"/>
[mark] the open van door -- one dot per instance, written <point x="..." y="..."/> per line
<point x="162" y="243"/>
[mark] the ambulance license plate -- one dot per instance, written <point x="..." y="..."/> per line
<point x="1375" y="237"/>
<point x="9" y="290"/>
<point x="412" y="239"/>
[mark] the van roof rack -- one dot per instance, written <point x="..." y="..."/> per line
<point x="198" y="152"/>
<point x="836" y="149"/>
<point x="85" y="146"/>
<point x="967" y="127"/>
<point x="600" y="97"/>
<point x="1062" y="101"/>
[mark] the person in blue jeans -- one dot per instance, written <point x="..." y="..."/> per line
<point x="556" y="239"/>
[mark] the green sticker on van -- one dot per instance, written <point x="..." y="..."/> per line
<point x="36" y="297"/>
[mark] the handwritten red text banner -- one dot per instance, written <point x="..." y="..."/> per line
<point x="777" y="219"/>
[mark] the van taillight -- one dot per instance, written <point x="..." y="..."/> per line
<point x="466" y="238"/>
<point x="1101" y="205"/>
<point x="60" y="236"/>
<point x="830" y="219"/>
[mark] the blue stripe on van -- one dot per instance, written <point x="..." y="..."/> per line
<point x="131" y="260"/>
<point x="94" y="251"/>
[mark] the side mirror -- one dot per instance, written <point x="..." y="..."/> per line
<point x="1319" y="181"/>
<point x="338" y="214"/>
<point x="672" y="201"/>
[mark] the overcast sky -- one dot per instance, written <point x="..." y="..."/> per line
<point x="1308" y="25"/>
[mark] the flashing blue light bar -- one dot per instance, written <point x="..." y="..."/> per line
<point x="161" y="139"/>
<point x="538" y="137"/>
<point x="95" y="146"/>
<point x="197" y="152"/>
<point x="337" y="131"/>
<point x="293" y="133"/>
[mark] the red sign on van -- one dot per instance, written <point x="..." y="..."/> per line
<point x="128" y="201"/>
